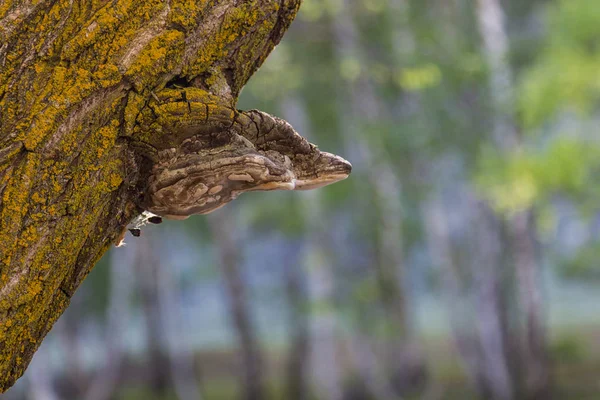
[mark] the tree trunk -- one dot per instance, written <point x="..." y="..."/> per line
<point x="476" y="288"/>
<point x="41" y="385"/>
<point x="537" y="380"/>
<point x="73" y="78"/>
<point x="316" y="338"/>
<point x="298" y="353"/>
<point x="327" y="373"/>
<point x="459" y="307"/>
<point x="183" y="374"/>
<point x="167" y="367"/>
<point x="118" y="314"/>
<point x="293" y="110"/>
<point x="229" y="254"/>
<point x="485" y="262"/>
<point x="147" y="270"/>
<point x="532" y="356"/>
<point x="68" y="331"/>
<point x="404" y="359"/>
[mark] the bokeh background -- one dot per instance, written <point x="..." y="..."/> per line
<point x="459" y="261"/>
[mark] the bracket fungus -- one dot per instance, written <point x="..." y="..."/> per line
<point x="210" y="153"/>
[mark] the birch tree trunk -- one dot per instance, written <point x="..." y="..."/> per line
<point x="293" y="110"/>
<point x="167" y="367"/>
<point x="440" y="248"/>
<point x="298" y="353"/>
<point x="40" y="381"/>
<point x="403" y="357"/>
<point x="104" y="384"/>
<point x="486" y="246"/>
<point x="229" y="250"/>
<point x="326" y="371"/>
<point x="182" y="369"/>
<point x="476" y="288"/>
<point x="533" y="357"/>
<point x="318" y="342"/>
<point x="73" y="77"/>
<point x="147" y="270"/>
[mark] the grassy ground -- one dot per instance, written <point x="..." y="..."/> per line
<point x="575" y="360"/>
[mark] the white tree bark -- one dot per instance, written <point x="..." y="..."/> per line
<point x="103" y="385"/>
<point x="403" y="355"/>
<point x="40" y="379"/>
<point x="293" y="110"/>
<point x="520" y="224"/>
<point x="459" y="307"/>
<point x="180" y="354"/>
<point x="486" y="268"/>
<point x="326" y="370"/>
<point x="229" y="254"/>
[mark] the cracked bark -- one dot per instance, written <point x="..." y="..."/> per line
<point x="74" y="77"/>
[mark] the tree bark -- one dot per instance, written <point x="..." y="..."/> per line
<point x="485" y="263"/>
<point x="297" y="388"/>
<point x="73" y="77"/>
<point x="40" y="386"/>
<point x="327" y="373"/>
<point x="459" y="308"/>
<point x="535" y="377"/>
<point x="182" y="368"/>
<point x="299" y="347"/>
<point x="230" y="253"/>
<point x="403" y="356"/>
<point x="104" y="383"/>
<point x="147" y="270"/>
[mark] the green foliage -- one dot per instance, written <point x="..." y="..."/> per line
<point x="279" y="76"/>
<point x="419" y="78"/>
<point x="566" y="79"/>
<point x="584" y="264"/>
<point x="314" y="10"/>
<point x="569" y="349"/>
<point x="140" y="392"/>
<point x="220" y="389"/>
<point x="521" y="179"/>
<point x="281" y="212"/>
<point x="575" y="23"/>
<point x="567" y="75"/>
<point x="96" y="289"/>
<point x="563" y="84"/>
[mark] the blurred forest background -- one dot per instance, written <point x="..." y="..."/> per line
<point x="461" y="259"/>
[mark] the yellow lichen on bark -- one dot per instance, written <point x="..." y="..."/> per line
<point x="78" y="81"/>
<point x="15" y="205"/>
<point x="160" y="56"/>
<point x="187" y="13"/>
